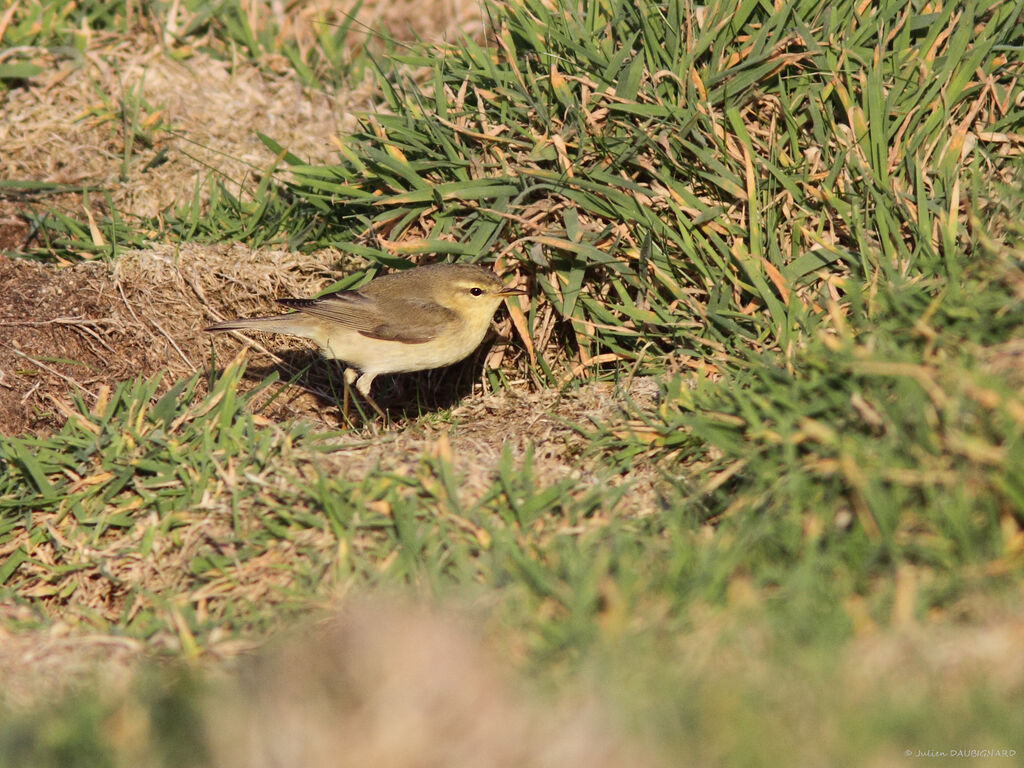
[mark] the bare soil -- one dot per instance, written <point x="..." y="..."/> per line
<point x="61" y="331"/>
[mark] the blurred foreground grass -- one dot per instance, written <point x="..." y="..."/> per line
<point x="803" y="220"/>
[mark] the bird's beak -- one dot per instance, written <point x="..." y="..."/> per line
<point x="511" y="292"/>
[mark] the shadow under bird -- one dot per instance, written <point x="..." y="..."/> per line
<point x="420" y="318"/>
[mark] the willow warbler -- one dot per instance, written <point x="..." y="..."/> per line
<point x="424" y="317"/>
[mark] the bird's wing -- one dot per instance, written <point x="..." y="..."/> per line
<point x="362" y="313"/>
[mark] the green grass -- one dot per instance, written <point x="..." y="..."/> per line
<point x="803" y="221"/>
<point x="182" y="474"/>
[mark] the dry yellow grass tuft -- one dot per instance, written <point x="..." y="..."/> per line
<point x="393" y="684"/>
<point x="190" y="117"/>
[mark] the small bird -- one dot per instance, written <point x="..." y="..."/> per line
<point x="420" y="318"/>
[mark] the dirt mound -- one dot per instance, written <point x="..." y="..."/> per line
<point x="61" y="331"/>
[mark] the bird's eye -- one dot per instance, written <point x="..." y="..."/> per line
<point x="475" y="291"/>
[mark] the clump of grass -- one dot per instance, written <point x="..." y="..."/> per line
<point x="694" y="195"/>
<point x="887" y="444"/>
<point x="130" y="516"/>
<point x="781" y="201"/>
<point x="155" y="515"/>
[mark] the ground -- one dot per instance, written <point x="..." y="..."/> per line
<point x="72" y="329"/>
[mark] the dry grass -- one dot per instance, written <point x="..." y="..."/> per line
<point x="70" y="130"/>
<point x="392" y="684"/>
<point x="376" y="21"/>
<point x="39" y="666"/>
<point x="193" y="113"/>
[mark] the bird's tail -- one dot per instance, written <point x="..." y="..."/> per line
<point x="292" y="323"/>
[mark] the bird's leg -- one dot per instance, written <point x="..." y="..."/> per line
<point x="350" y="376"/>
<point x="363" y="385"/>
